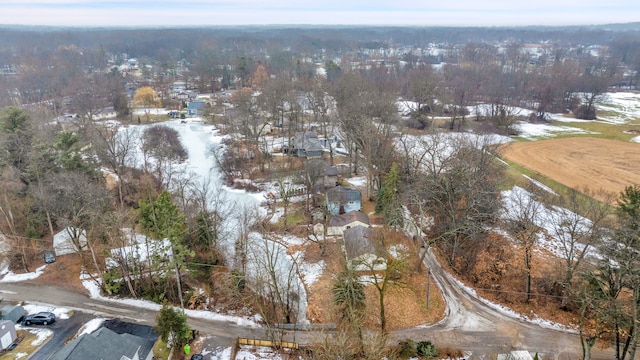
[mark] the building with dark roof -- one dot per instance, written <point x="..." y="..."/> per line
<point x="340" y="223"/>
<point x="306" y="144"/>
<point x="105" y="344"/>
<point x="341" y="200"/>
<point x="12" y="313"/>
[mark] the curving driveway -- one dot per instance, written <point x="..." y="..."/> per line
<point x="477" y="328"/>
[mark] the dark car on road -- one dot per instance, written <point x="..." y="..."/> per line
<point x="41" y="318"/>
<point x="197" y="357"/>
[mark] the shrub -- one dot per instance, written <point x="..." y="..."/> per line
<point x="426" y="349"/>
<point x="585" y="112"/>
<point x="407" y="349"/>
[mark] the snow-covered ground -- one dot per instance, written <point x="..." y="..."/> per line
<point x="622" y="106"/>
<point x="540" y="185"/>
<point x="94" y="293"/>
<point x="8" y="276"/>
<point x="245" y="353"/>
<point x="551" y="220"/>
<point x="542" y="130"/>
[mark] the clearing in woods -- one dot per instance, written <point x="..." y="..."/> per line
<point x="580" y="163"/>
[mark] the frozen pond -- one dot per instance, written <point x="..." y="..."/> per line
<point x="200" y="141"/>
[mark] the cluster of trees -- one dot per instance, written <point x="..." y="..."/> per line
<point x="608" y="296"/>
<point x="51" y="179"/>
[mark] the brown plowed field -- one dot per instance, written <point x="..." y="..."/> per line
<point x="579" y="163"/>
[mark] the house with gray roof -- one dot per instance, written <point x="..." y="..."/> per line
<point x="340" y="223"/>
<point x="306" y="144"/>
<point x="8" y="333"/>
<point x="341" y="200"/>
<point x="105" y="344"/>
<point x="196" y="108"/>
<point x="12" y="313"/>
<point x="330" y="178"/>
<point x="360" y="250"/>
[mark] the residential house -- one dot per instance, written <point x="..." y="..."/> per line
<point x="341" y="200"/>
<point x="330" y="178"/>
<point x="331" y="141"/>
<point x="357" y="242"/>
<point x="8" y="334"/>
<point x="12" y="313"/>
<point x="106" y="344"/>
<point x="68" y="240"/>
<point x="306" y="144"/>
<point x="339" y="223"/>
<point x="186" y="95"/>
<point x="360" y="250"/>
<point x="196" y="108"/>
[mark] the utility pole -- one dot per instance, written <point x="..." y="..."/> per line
<point x="428" y="287"/>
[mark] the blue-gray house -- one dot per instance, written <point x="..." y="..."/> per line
<point x="341" y="200"/>
<point x="195" y="108"/>
<point x="306" y="144"/>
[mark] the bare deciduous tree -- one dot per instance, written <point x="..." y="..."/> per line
<point x="116" y="148"/>
<point x="523" y="213"/>
<point x="578" y="224"/>
<point x="162" y="151"/>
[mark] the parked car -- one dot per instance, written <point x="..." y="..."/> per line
<point x="41" y="318"/>
<point x="197" y="357"/>
<point x="49" y="257"/>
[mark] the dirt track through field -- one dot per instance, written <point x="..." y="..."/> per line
<point x="580" y="163"/>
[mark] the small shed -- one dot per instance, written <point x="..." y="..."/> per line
<point x="12" y="313"/>
<point x="516" y="355"/>
<point x="8" y="333"/>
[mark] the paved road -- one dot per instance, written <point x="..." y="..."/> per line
<point x="470" y="325"/>
<point x="102" y="308"/>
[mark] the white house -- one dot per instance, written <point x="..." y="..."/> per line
<point x="68" y="240"/>
<point x="141" y="249"/>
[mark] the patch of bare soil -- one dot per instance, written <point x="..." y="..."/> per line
<point x="580" y="163"/>
<point x="405" y="303"/>
<point x="65" y="272"/>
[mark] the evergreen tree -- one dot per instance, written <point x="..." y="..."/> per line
<point x="162" y="219"/>
<point x="172" y="326"/>
<point x="389" y="202"/>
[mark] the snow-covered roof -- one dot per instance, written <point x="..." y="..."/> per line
<point x="63" y="241"/>
<point x="141" y="249"/>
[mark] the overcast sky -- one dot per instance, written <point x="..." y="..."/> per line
<point x="317" y="12"/>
